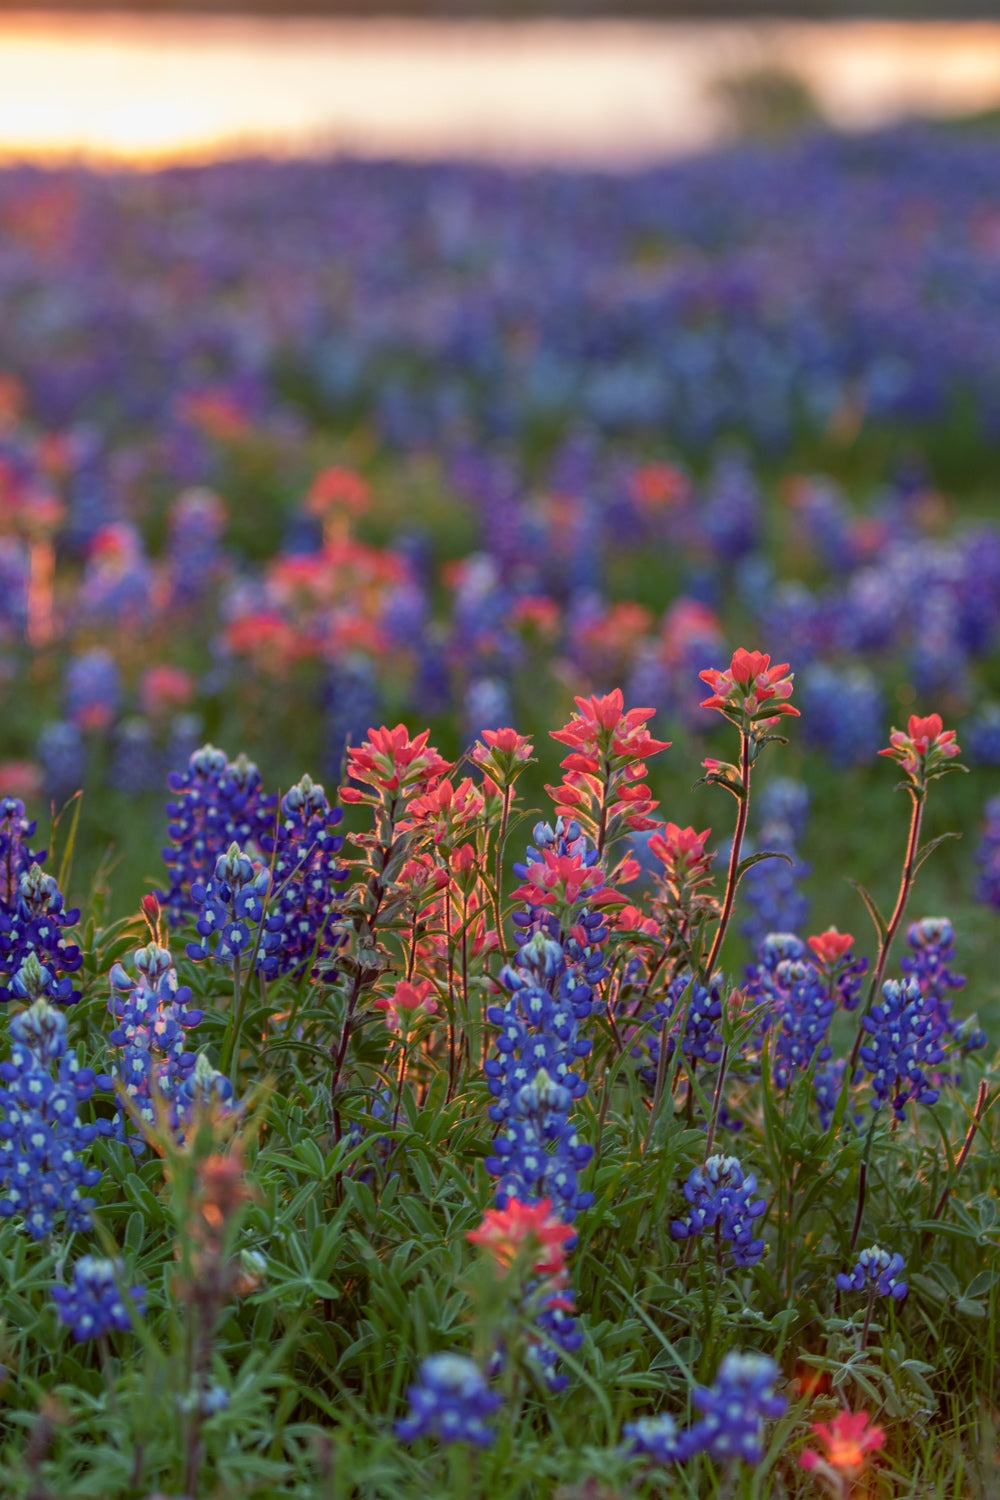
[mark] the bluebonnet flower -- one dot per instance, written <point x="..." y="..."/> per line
<point x="15" y="584"/>
<point x="720" y="1195"/>
<point x="826" y="519"/>
<point x="33" y="923"/>
<point x="938" y="659"/>
<point x="988" y="856"/>
<point x="352" y="703"/>
<point x="700" y="1008"/>
<point x="42" y="1172"/>
<point x="117" y="585"/>
<point x="554" y="1315"/>
<point x="785" y="802"/>
<point x="770" y="891"/>
<point x="32" y="914"/>
<point x="404" y="615"/>
<point x="905" y="1035"/>
<point x="792" y="612"/>
<point x="431" y="691"/>
<point x="152" y="1015"/>
<point x="194" y="555"/>
<point x="92" y="1305"/>
<point x="976" y="589"/>
<point x="872" y="611"/>
<point x="34" y="981"/>
<point x="551" y="982"/>
<point x="61" y="752"/>
<point x="232" y="911"/>
<point x="205" y="1090"/>
<point x="217" y="802"/>
<point x="450" y="1401"/>
<point x="213" y="1399"/>
<point x="731" y="513"/>
<point x="827" y="1083"/>
<point x="482" y="633"/>
<point x="800" y="1005"/>
<point x="15" y="855"/>
<point x="92" y="689"/>
<point x="876" y="1272"/>
<point x="657" y="1438"/>
<point x="981" y="736"/>
<point x="775" y="949"/>
<point x="735" y="1408"/>
<point x="183" y="738"/>
<point x="843" y="712"/>
<point x="933" y="942"/>
<point x="537" y="1153"/>
<point x="307" y="876"/>
<point x="487" y="705"/>
<point x="135" y="763"/>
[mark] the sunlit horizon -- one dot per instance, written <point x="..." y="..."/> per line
<point x="148" y="90"/>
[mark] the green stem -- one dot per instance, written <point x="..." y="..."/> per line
<point x="960" y="1160"/>
<point x="716" y="1102"/>
<point x="902" y="895"/>
<point x="859" y="1212"/>
<point x="231" y="1052"/>
<point x="868" y="1318"/>
<point x="732" y="878"/>
<point x="498" y="871"/>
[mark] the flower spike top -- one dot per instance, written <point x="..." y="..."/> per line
<point x="924" y="750"/>
<point x="878" y="1272"/>
<point x="603" y="726"/>
<point x="750" y="688"/>
<point x="503" y="754"/>
<point x="602" y="787"/>
<point x="393" y="765"/>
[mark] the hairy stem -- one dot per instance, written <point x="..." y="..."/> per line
<point x="902" y="896"/>
<point x="734" y="856"/>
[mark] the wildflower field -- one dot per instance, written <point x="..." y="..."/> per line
<point x="500" y="828"/>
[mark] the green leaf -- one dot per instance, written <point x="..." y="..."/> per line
<point x="756" y="859"/>
<point x="881" y="925"/>
<point x="66" y="860"/>
<point x="927" y="849"/>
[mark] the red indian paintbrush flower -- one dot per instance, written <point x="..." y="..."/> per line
<point x="531" y="1229"/>
<point x="830" y="946"/>
<point x="681" y="850"/>
<point x="750" y="687"/>
<point x="503" y="754"/>
<point x="392" y="763"/>
<point x="602" y="786"/>
<point x="847" y="1439"/>
<point x="923" y="749"/>
<point x="407" y="999"/>
<point x="603" y="726"/>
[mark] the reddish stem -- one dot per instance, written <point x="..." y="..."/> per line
<point x="734" y="856"/>
<point x="902" y="896"/>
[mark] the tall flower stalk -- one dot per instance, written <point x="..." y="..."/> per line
<point x="925" y="751"/>
<point x="750" y="693"/>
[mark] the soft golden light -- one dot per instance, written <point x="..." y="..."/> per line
<point x="146" y="88"/>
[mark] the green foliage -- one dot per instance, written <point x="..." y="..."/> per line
<point x="361" y="1221"/>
